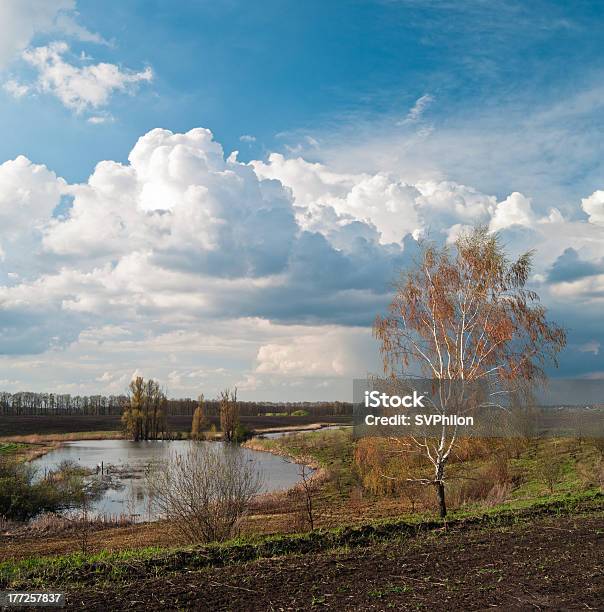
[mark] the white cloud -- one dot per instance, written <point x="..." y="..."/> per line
<point x="547" y="147"/>
<point x="591" y="347"/>
<point x="21" y="20"/>
<point x="418" y="109"/>
<point x="590" y="288"/>
<point x="28" y="195"/>
<point x="247" y="138"/>
<point x="66" y="24"/>
<point x="100" y="119"/>
<point x="180" y="199"/>
<point x="15" y="89"/>
<point x="514" y="210"/>
<point x="328" y="200"/>
<point x="330" y="351"/>
<point x="194" y="267"/>
<point x="80" y="88"/>
<point x="594" y="207"/>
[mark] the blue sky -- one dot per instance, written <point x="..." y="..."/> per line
<point x="279" y="66"/>
<point x="379" y="120"/>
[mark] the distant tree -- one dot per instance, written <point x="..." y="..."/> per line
<point x="550" y="468"/>
<point x="464" y="315"/>
<point x="200" y="421"/>
<point x="144" y="415"/>
<point x="229" y="414"/>
<point x="132" y="417"/>
<point x="156" y="424"/>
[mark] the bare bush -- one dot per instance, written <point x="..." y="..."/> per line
<point x="499" y="493"/>
<point x="549" y="470"/>
<point x="307" y="488"/>
<point x="598" y="444"/>
<point x="591" y="474"/>
<point x="492" y="484"/>
<point x="205" y="492"/>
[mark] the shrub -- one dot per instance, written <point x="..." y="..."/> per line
<point x="492" y="483"/>
<point x="22" y="497"/>
<point x="241" y="434"/>
<point x="206" y="491"/>
<point x="549" y="470"/>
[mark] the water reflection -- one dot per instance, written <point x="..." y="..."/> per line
<point x="125" y="463"/>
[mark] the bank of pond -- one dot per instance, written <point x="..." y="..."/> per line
<point x="122" y="464"/>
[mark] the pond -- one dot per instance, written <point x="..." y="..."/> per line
<point x="126" y="462"/>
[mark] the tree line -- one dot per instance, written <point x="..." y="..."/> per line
<point x="25" y="403"/>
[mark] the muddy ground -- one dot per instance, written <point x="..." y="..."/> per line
<point x="549" y="563"/>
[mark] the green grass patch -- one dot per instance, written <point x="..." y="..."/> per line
<point x="125" y="566"/>
<point x="11" y="448"/>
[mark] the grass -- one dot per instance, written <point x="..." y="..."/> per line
<point x="21" y="451"/>
<point x="11" y="448"/>
<point x="580" y="462"/>
<point x="333" y="451"/>
<point x="576" y="462"/>
<point x="78" y="568"/>
<point x="63" y="437"/>
<point x="327" y="447"/>
<point x="324" y="447"/>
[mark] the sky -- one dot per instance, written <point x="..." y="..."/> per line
<point x="221" y="193"/>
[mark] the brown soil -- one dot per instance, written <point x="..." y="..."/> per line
<point x="24" y="425"/>
<point x="549" y="563"/>
<point x="278" y="513"/>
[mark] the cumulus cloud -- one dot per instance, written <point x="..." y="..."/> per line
<point x="28" y="194"/>
<point x="327" y="200"/>
<point x="594" y="207"/>
<point x="279" y="265"/>
<point x="181" y="202"/>
<point x="190" y="235"/>
<point x="80" y="87"/>
<point x="587" y="288"/>
<point x="516" y="209"/>
<point x="569" y="267"/>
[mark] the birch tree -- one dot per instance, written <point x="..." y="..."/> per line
<point x="461" y="316"/>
